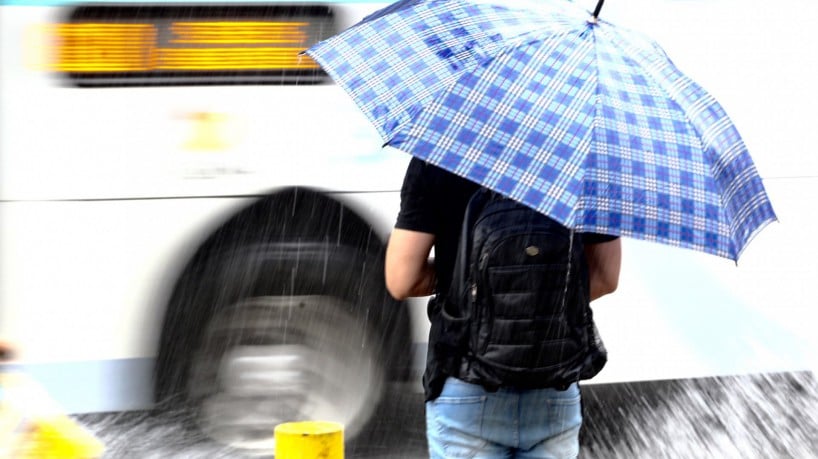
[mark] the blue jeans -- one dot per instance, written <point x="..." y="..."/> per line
<point x="468" y="421"/>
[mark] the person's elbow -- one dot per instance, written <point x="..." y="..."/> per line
<point x="406" y="281"/>
<point x="397" y="286"/>
<point x="607" y="285"/>
<point x="408" y="271"/>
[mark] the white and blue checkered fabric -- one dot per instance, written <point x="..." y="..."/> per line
<point x="588" y="123"/>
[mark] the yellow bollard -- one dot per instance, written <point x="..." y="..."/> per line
<point x="309" y="440"/>
<point x="32" y="426"/>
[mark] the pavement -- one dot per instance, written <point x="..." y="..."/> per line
<point x="761" y="416"/>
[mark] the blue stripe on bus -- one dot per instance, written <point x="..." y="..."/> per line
<point x="94" y="386"/>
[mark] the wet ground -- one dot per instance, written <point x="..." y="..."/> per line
<point x="769" y="416"/>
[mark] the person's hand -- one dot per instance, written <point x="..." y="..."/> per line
<point x="6" y="351"/>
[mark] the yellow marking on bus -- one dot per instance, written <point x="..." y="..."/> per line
<point x="207" y="132"/>
<point x="245" y="33"/>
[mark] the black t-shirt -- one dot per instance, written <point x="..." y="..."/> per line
<point x="434" y="201"/>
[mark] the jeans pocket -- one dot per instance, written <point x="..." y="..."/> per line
<point x="566" y="407"/>
<point x="455" y="424"/>
<point x="570" y="396"/>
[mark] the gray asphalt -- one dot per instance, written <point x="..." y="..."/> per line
<point x="763" y="416"/>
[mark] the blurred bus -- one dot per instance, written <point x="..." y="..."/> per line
<point x="192" y="215"/>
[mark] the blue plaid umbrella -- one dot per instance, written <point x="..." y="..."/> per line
<point x="587" y="122"/>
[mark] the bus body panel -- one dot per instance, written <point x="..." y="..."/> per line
<point x="105" y="195"/>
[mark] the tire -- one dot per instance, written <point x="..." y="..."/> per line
<point x="272" y="359"/>
<point x="269" y="333"/>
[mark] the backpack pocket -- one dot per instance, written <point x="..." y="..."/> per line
<point x="529" y="359"/>
<point x="526" y="291"/>
<point x="451" y="327"/>
<point x="526" y="319"/>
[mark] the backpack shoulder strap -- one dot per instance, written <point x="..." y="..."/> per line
<point x="459" y="284"/>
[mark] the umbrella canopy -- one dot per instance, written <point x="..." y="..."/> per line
<point x="587" y="122"/>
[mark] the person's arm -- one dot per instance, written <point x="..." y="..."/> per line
<point x="408" y="270"/>
<point x="604" y="260"/>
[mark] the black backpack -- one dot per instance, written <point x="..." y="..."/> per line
<point x="517" y="313"/>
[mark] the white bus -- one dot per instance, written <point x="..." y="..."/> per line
<point x="190" y="213"/>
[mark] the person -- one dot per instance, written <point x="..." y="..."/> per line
<point x="464" y="419"/>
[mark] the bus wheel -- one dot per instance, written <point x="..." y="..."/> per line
<point x="270" y="359"/>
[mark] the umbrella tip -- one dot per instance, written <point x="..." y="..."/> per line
<point x="595" y="15"/>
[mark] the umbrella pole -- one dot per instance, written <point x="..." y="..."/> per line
<point x="597" y="10"/>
